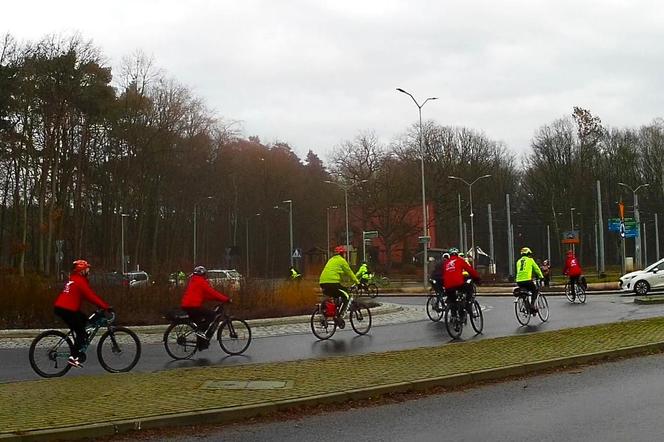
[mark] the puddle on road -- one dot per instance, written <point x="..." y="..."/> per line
<point x="246" y="385"/>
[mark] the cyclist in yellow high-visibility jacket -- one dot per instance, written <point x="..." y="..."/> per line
<point x="337" y="270"/>
<point x="525" y="268"/>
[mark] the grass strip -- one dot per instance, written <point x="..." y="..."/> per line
<point x="64" y="402"/>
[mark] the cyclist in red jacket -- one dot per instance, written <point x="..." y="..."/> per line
<point x="197" y="292"/>
<point x="573" y="270"/>
<point x="453" y="275"/>
<point x="68" y="306"/>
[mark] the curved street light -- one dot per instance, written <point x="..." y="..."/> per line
<point x="424" y="204"/>
<point x="472" y="215"/>
<point x="346" y="187"/>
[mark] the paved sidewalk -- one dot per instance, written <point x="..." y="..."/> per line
<point x="88" y="406"/>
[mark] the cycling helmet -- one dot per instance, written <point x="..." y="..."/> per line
<point x="80" y="265"/>
<point x="570" y="253"/>
<point x="446" y="256"/>
<point x="453" y="251"/>
<point x="526" y="251"/>
<point x="340" y="250"/>
<point x="461" y="254"/>
<point x="200" y="270"/>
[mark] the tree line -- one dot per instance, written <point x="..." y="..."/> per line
<point x="86" y="151"/>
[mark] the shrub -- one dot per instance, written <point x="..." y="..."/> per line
<point x="28" y="302"/>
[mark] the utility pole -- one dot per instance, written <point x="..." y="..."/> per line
<point x="600" y="232"/>
<point x="510" y="248"/>
<point x="548" y="243"/>
<point x="637" y="239"/>
<point x="645" y="246"/>
<point x="656" y="238"/>
<point x="491" y="250"/>
<point x="461" y="245"/>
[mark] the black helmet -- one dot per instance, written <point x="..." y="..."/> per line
<point x="200" y="270"/>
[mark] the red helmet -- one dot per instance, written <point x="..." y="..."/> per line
<point x="340" y="249"/>
<point x="570" y="252"/>
<point x="79" y="265"/>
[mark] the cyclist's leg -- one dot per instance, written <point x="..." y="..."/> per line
<point x="345" y="298"/>
<point x="573" y="281"/>
<point x="76" y="322"/>
<point x="201" y="317"/>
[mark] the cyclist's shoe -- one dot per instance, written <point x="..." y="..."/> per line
<point x="340" y="323"/>
<point x="74" y="362"/>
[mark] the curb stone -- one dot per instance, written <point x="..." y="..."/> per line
<point x="232" y="414"/>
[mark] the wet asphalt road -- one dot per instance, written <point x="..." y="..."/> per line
<point x="619" y="401"/>
<point x="499" y="321"/>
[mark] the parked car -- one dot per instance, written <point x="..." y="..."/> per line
<point x="137" y="279"/>
<point x="225" y="279"/>
<point x="643" y="281"/>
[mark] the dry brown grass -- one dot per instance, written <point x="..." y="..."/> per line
<point x="28" y="302"/>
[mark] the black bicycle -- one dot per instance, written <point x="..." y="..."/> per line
<point x="436" y="305"/>
<point x="459" y="310"/>
<point x="370" y="290"/>
<point x="523" y="309"/>
<point x="579" y="292"/>
<point x="118" y="349"/>
<point x="325" y="318"/>
<point x="182" y="342"/>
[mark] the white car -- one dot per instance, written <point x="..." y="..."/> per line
<point x="643" y="281"/>
<point x="225" y="279"/>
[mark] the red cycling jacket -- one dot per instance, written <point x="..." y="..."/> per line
<point x="198" y="291"/>
<point x="453" y="272"/>
<point x="572" y="267"/>
<point x="77" y="289"/>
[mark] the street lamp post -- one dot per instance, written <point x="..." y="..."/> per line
<point x="247" y="241"/>
<point x="424" y="204"/>
<point x="472" y="224"/>
<point x="346" y="187"/>
<point x="195" y="229"/>
<point x="571" y="216"/>
<point x="122" y="251"/>
<point x="327" y="253"/>
<point x="637" y="220"/>
<point x="290" y="226"/>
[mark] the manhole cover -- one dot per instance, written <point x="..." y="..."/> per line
<point x="247" y="385"/>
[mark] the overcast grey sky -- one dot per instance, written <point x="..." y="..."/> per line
<point x="314" y="73"/>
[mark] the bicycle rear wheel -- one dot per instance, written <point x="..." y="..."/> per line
<point x="49" y="353"/>
<point x="453" y="322"/>
<point x="522" y="310"/>
<point x="435" y="309"/>
<point x="118" y="350"/>
<point x="234" y="336"/>
<point x="180" y="340"/>
<point x="360" y="319"/>
<point x="321" y="326"/>
<point x="373" y="290"/>
<point x="542" y="308"/>
<point x="476" y="317"/>
<point x="568" y="293"/>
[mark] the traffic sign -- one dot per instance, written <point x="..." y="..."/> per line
<point x="571" y="237"/>
<point x="370" y="234"/>
<point x="424" y="239"/>
<point x="297" y="253"/>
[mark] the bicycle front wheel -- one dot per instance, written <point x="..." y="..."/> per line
<point x="542" y="308"/>
<point x="522" y="310"/>
<point x="476" y="317"/>
<point x="568" y="293"/>
<point x="435" y="310"/>
<point x="581" y="295"/>
<point x="321" y="326"/>
<point x="118" y="350"/>
<point x="180" y="340"/>
<point x="360" y="319"/>
<point x="234" y="336"/>
<point x="373" y="290"/>
<point x="453" y="322"/>
<point x="49" y="353"/>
